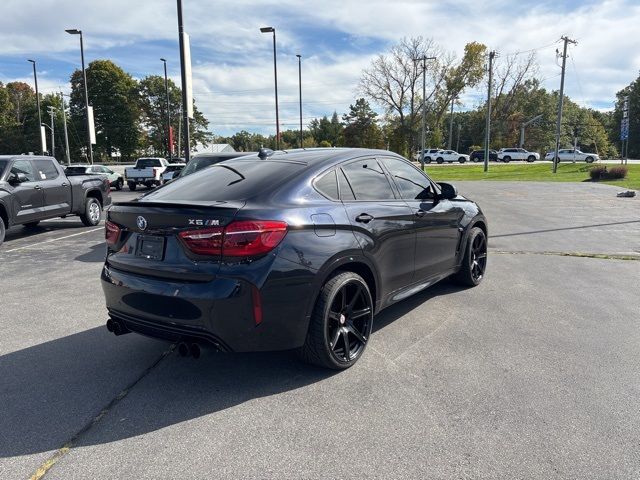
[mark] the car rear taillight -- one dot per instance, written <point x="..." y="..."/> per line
<point x="111" y="232"/>
<point x="205" y="241"/>
<point x="245" y="238"/>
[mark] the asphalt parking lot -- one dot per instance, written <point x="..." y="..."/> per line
<point x="533" y="374"/>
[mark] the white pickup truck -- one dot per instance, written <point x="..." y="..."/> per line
<point x="147" y="171"/>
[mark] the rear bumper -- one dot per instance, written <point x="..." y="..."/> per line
<point x="220" y="311"/>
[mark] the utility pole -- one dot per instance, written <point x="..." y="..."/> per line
<point x="566" y="40"/>
<point x="300" y="89"/>
<point x="458" y="141"/>
<point x="424" y="104"/>
<point x="525" y="125"/>
<point x="180" y="132"/>
<point x="168" y="116"/>
<point x="64" y="124"/>
<point x="450" y="140"/>
<point x="52" y="112"/>
<point x="40" y="127"/>
<point x="487" y="132"/>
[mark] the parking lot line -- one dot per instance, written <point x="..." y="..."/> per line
<point x="54" y="240"/>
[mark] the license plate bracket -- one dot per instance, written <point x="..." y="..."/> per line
<point x="150" y="247"/>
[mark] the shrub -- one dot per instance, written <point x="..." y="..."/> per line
<point x="617" y="173"/>
<point x="598" y="172"/>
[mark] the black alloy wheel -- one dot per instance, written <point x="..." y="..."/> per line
<point x="341" y="323"/>
<point x="474" y="263"/>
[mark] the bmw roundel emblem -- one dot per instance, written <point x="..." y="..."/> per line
<point x="141" y="222"/>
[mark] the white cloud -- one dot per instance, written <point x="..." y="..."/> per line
<point x="233" y="76"/>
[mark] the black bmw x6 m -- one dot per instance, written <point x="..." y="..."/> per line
<point x="288" y="250"/>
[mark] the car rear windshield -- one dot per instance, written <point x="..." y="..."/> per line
<point x="228" y="181"/>
<point x="76" y="170"/>
<point x="148" y="162"/>
<point x="174" y="168"/>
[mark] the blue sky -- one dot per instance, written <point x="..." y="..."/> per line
<point x="233" y="76"/>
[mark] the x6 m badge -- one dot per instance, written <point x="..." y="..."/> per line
<point x="198" y="221"/>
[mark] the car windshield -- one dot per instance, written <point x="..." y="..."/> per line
<point x="3" y="166"/>
<point x="232" y="180"/>
<point x="173" y="168"/>
<point x="76" y="170"/>
<point x="198" y="163"/>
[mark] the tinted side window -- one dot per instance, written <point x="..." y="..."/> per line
<point x="24" y="167"/>
<point x="346" y="194"/>
<point x="45" y="169"/>
<point x="412" y="184"/>
<point x="148" y="162"/>
<point x="368" y="180"/>
<point x="327" y="185"/>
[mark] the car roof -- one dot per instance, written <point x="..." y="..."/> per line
<point x="27" y="157"/>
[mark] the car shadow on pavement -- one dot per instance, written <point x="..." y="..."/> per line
<point x="95" y="254"/>
<point x="20" y="232"/>
<point x="51" y="391"/>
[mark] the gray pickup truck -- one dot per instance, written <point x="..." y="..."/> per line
<point x="34" y="188"/>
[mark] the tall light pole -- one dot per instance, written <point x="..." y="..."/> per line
<point x="487" y="132"/>
<point x="185" y="85"/>
<point x="35" y="79"/>
<point x="166" y="90"/>
<point x="451" y="125"/>
<point x="300" y="89"/>
<point x="275" y="76"/>
<point x="74" y="31"/>
<point x="424" y="103"/>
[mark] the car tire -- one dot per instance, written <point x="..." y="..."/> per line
<point x="531" y="159"/>
<point x="506" y="159"/>
<point x="462" y="159"/>
<point x="589" y="159"/>
<point x="119" y="184"/>
<point x="340" y="324"/>
<point x="427" y="159"/>
<point x="3" y="230"/>
<point x="474" y="262"/>
<point x="132" y="186"/>
<point x="31" y="224"/>
<point x="439" y="160"/>
<point x="92" y="212"/>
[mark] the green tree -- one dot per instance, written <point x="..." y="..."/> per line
<point x="113" y="93"/>
<point x="633" y="92"/>
<point x="361" y="128"/>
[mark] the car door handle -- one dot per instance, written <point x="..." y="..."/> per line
<point x="65" y="184"/>
<point x="37" y="187"/>
<point x="364" y="218"/>
<point x="420" y="213"/>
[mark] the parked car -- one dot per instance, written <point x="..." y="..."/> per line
<point x="172" y="171"/>
<point x="478" y="156"/>
<point x="450" y="156"/>
<point x="429" y="155"/>
<point x="115" y="179"/>
<point x="573" y="155"/>
<point x="507" y="154"/>
<point x="147" y="171"/>
<point x="204" y="160"/>
<point x="35" y="188"/>
<point x="287" y="250"/>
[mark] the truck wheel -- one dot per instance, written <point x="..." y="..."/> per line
<point x="132" y="186"/>
<point x="531" y="159"/>
<point x="2" y="230"/>
<point x="31" y="224"/>
<point x="118" y="184"/>
<point x="92" y="212"/>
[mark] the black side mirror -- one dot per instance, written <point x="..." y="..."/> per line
<point x="448" y="191"/>
<point x="17" y="178"/>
